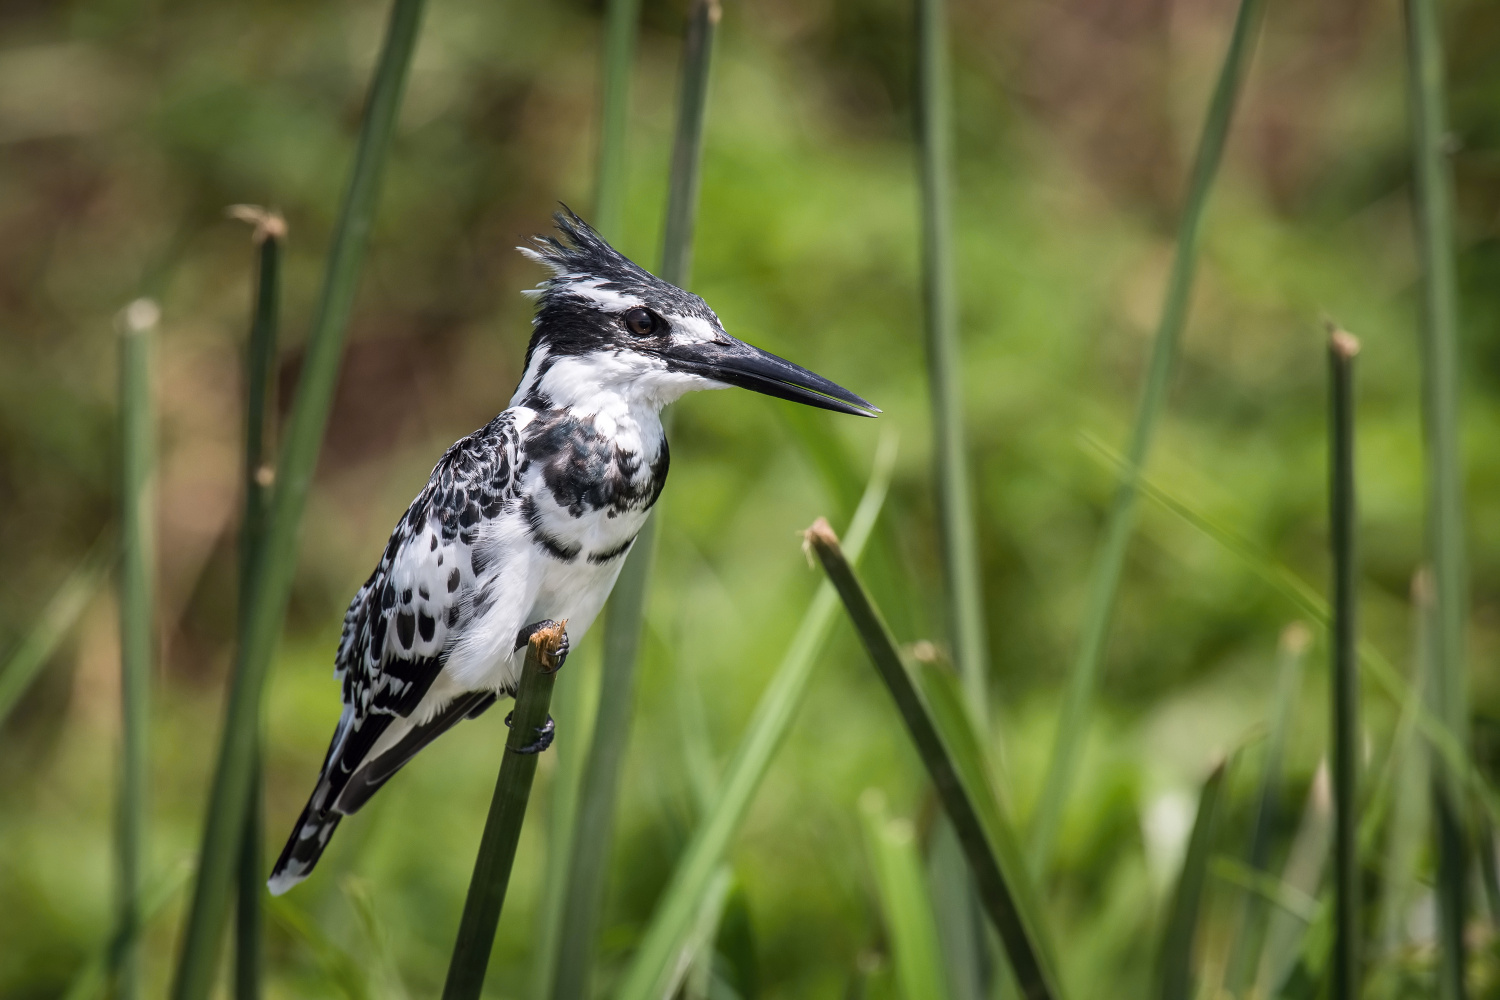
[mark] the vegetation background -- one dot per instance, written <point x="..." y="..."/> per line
<point x="125" y="129"/>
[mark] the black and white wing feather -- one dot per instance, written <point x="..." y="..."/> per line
<point x="398" y="631"/>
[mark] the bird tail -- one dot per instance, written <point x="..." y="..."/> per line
<point x="309" y="837"/>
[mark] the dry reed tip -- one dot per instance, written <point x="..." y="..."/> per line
<point x="715" y="11"/>
<point x="547" y="641"/>
<point x="925" y="652"/>
<point x="1342" y="342"/>
<point x="268" y="222"/>
<point x="1295" y="638"/>
<point x="265" y="476"/>
<point x="140" y="316"/>
<point x="1421" y="587"/>
<point x="820" y="535"/>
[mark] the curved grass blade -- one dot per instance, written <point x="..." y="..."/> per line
<point x="583" y="898"/>
<point x="274" y="569"/>
<point x="905" y="901"/>
<point x="1303" y="872"/>
<point x="1174" y="963"/>
<point x="1408" y="825"/>
<point x="999" y="879"/>
<point x="1104" y="583"/>
<point x="650" y="968"/>
<point x="502" y="828"/>
<point x="54" y="623"/>
<point x="1292" y="654"/>
<point x="137" y="626"/>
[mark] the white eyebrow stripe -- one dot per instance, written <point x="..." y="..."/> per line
<point x="694" y="328"/>
<point x="607" y="299"/>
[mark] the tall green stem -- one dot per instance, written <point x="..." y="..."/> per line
<point x="1440" y="408"/>
<point x="137" y="625"/>
<point x="1104" y="583"/>
<point x="950" y="456"/>
<point x="502" y="828"/>
<point x="1344" y="666"/>
<point x="621" y="25"/>
<point x="588" y="864"/>
<point x="274" y="569"/>
<point x="260" y="371"/>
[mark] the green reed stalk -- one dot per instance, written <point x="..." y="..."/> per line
<point x="955" y="492"/>
<point x="1344" y="666"/>
<point x="137" y="626"/>
<point x="1174" y="964"/>
<point x="1445" y="515"/>
<point x="651" y="966"/>
<point x="502" y="828"/>
<point x="1239" y="969"/>
<point x="54" y="623"/>
<point x="905" y="901"/>
<point x="274" y="569"/>
<point x="256" y="479"/>
<point x="950" y="750"/>
<point x="1104" y="583"/>
<point x="621" y="24"/>
<point x="624" y="617"/>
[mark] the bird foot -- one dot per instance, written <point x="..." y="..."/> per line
<point x="544" y="734"/>
<point x="523" y="637"/>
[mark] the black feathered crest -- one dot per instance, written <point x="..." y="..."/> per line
<point x="583" y="257"/>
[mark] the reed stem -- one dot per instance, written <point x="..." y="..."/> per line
<point x="1175" y="959"/>
<point x="502" y="828"/>
<point x="137" y="627"/>
<point x="966" y="627"/>
<point x="623" y="620"/>
<point x="276" y="565"/>
<point x="1104" y="583"/>
<point x="256" y="478"/>
<point x="998" y="882"/>
<point x="1344" y="666"/>
<point x="1432" y="176"/>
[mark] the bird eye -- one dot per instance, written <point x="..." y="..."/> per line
<point x="642" y="322"/>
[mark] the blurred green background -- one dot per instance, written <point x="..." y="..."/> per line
<point x="125" y="130"/>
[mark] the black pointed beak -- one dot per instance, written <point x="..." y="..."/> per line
<point x="734" y="362"/>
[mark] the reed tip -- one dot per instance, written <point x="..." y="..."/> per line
<point x="548" y="642"/>
<point x="1296" y="638"/>
<point x="140" y="316"/>
<point x="268" y="222"/>
<point x="820" y="535"/>
<point x="1343" y="343"/>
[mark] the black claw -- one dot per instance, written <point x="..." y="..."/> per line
<point x="527" y="631"/>
<point x="544" y="734"/>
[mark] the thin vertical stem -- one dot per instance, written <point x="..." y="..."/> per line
<point x="1109" y="565"/>
<point x="137" y="625"/>
<point x="588" y="862"/>
<point x="276" y="565"/>
<point x="622" y="19"/>
<point x="502" y="828"/>
<point x="1445" y="515"/>
<point x="256" y="476"/>
<point x="950" y="455"/>
<point x="1344" y="666"/>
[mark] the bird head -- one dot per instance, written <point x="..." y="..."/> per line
<point x="604" y="324"/>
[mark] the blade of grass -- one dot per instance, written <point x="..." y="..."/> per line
<point x="54" y="623"/>
<point x="649" y="971"/>
<point x="1409" y="810"/>
<point x="1305" y="598"/>
<point x="1109" y="565"/>
<point x="1291" y="656"/>
<point x="274" y="569"/>
<point x="1433" y="186"/>
<point x="1344" y="666"/>
<point x="502" y="828"/>
<point x="1174" y="962"/>
<point x="621" y="25"/>
<point x="137" y="625"/>
<point x="955" y="492"/>
<point x="260" y="372"/>
<point x="583" y="897"/>
<point x="1303" y="872"/>
<point x="905" y="901"/>
<point x="999" y="881"/>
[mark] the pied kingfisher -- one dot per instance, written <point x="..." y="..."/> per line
<point x="528" y="519"/>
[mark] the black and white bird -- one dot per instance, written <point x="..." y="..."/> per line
<point x="528" y="519"/>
